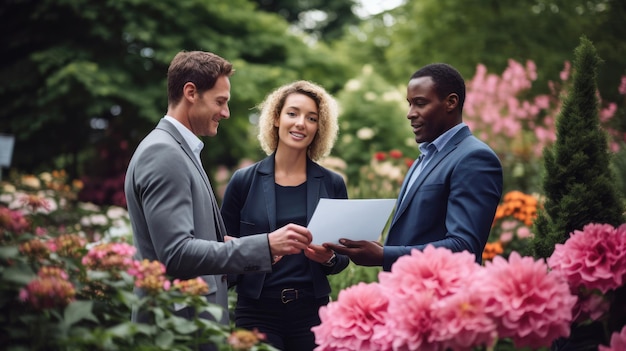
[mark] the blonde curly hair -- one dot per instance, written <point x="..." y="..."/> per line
<point x="328" y="112"/>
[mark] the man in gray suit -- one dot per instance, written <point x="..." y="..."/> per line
<point x="172" y="207"/>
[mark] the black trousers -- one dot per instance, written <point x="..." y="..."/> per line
<point x="287" y="326"/>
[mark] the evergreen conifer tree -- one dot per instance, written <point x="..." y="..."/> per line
<point x="578" y="183"/>
<point x="579" y="187"/>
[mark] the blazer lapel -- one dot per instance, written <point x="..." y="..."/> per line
<point x="314" y="189"/>
<point x="437" y="158"/>
<point x="266" y="174"/>
<point x="171" y="129"/>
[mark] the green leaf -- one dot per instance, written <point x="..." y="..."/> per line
<point x="8" y="252"/>
<point x="184" y="326"/>
<point x="165" y="339"/>
<point x="77" y="311"/>
<point x="18" y="274"/>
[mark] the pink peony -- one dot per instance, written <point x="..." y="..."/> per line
<point x="594" y="258"/>
<point x="461" y="322"/>
<point x="618" y="342"/>
<point x="355" y="321"/>
<point x="528" y="303"/>
<point x="414" y="284"/>
<point x="590" y="306"/>
<point x="410" y="322"/>
<point x="436" y="270"/>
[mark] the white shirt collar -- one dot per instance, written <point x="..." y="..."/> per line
<point x="191" y="139"/>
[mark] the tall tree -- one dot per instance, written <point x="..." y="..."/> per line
<point x="578" y="184"/>
<point x="323" y="19"/>
<point x="85" y="80"/>
<point x="466" y="33"/>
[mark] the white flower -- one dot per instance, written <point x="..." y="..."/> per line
<point x="8" y="188"/>
<point x="115" y="212"/>
<point x="46" y="177"/>
<point x="99" y="219"/>
<point x="353" y="85"/>
<point x="31" y="181"/>
<point x="393" y="96"/>
<point x="365" y="133"/>
<point x="88" y="206"/>
<point x="370" y="96"/>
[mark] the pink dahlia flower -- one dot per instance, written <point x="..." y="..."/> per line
<point x="410" y="322"/>
<point x="436" y="270"/>
<point x="413" y="286"/>
<point x="356" y="321"/>
<point x="529" y="304"/>
<point x="590" y="306"/>
<point x="618" y="342"/>
<point x="594" y="258"/>
<point x="461" y="322"/>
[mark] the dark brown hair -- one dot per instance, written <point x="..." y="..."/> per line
<point x="198" y="67"/>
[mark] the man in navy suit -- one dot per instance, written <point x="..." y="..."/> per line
<point x="450" y="194"/>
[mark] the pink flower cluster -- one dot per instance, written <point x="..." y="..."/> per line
<point x="356" y="321"/>
<point x="109" y="256"/>
<point x="439" y="300"/>
<point x="12" y="221"/>
<point x="618" y="342"/>
<point x="195" y="286"/>
<point x="150" y="276"/>
<point x="50" y="289"/>
<point x="593" y="261"/>
<point x="495" y="111"/>
<point x="69" y="245"/>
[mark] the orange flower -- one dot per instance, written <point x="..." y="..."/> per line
<point x="195" y="286"/>
<point x="492" y="250"/>
<point x="242" y="339"/>
<point x="69" y="245"/>
<point x="518" y="205"/>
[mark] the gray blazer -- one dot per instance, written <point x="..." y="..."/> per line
<point x="176" y="220"/>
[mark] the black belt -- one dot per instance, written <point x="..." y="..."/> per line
<point x="287" y="295"/>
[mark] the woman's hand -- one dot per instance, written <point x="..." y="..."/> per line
<point x="318" y="253"/>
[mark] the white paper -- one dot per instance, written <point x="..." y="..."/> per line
<point x="355" y="219"/>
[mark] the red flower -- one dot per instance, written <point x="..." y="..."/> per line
<point x="395" y="154"/>
<point x="408" y="162"/>
<point x="380" y="156"/>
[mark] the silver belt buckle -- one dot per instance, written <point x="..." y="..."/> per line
<point x="285" y="299"/>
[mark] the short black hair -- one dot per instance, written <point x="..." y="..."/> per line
<point x="446" y="78"/>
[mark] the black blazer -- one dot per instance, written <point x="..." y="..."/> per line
<point x="249" y="207"/>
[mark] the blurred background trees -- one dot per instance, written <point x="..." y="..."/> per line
<point x="84" y="81"/>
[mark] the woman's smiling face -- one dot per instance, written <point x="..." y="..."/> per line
<point x="298" y="122"/>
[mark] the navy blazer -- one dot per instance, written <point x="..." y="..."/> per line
<point x="249" y="207"/>
<point x="452" y="203"/>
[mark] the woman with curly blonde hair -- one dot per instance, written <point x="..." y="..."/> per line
<point x="297" y="126"/>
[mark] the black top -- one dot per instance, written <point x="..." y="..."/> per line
<point x="291" y="270"/>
